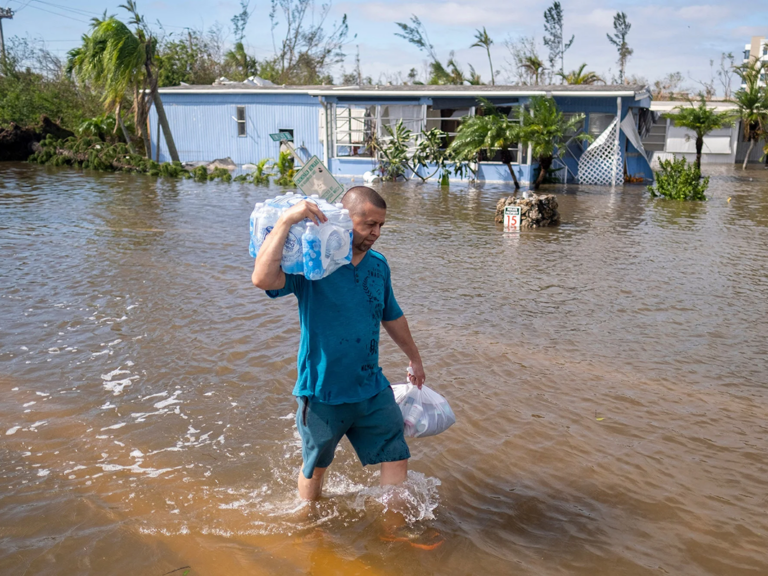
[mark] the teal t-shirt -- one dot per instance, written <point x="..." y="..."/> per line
<point x="341" y="315"/>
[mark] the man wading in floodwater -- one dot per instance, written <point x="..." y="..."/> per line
<point x="340" y="388"/>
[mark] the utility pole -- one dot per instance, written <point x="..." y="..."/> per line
<point x="4" y="13"/>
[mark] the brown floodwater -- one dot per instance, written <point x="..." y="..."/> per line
<point x="609" y="378"/>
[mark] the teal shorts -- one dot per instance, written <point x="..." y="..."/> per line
<point x="373" y="426"/>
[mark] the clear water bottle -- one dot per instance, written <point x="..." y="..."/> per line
<point x="267" y="220"/>
<point x="292" y="261"/>
<point x="313" y="253"/>
<point x="345" y="221"/>
<point x="255" y="244"/>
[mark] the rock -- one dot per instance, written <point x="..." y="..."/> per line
<point x="16" y="143"/>
<point x="535" y="211"/>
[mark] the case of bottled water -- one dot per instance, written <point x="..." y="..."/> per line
<point x="311" y="250"/>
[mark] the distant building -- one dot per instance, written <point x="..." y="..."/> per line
<point x="757" y="50"/>
<point x="722" y="146"/>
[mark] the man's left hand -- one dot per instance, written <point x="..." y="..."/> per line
<point x="418" y="377"/>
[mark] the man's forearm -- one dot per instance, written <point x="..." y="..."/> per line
<point x="400" y="333"/>
<point x="267" y="273"/>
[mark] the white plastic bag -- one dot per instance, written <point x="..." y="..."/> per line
<point x="425" y="412"/>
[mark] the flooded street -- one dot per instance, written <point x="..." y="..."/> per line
<point x="609" y="378"/>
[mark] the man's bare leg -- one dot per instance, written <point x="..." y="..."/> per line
<point x="311" y="488"/>
<point x="394" y="472"/>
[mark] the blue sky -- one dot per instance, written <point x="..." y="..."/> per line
<point x="666" y="35"/>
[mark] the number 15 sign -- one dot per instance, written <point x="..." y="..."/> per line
<point x="512" y="217"/>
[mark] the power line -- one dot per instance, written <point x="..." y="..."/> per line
<point x="57" y="14"/>
<point x="77" y="10"/>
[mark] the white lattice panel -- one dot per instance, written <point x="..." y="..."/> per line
<point x="602" y="163"/>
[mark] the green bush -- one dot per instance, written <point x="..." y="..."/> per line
<point x="678" y="180"/>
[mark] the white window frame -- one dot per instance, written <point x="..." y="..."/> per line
<point x="242" y="131"/>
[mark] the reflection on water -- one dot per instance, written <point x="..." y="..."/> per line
<point x="608" y="378"/>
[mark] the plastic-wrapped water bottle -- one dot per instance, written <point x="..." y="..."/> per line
<point x="346" y="223"/>
<point x="255" y="244"/>
<point x="292" y="261"/>
<point x="267" y="221"/>
<point x="313" y="254"/>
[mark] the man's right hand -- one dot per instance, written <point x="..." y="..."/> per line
<point x="303" y="210"/>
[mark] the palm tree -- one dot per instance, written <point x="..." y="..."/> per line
<point x="701" y="120"/>
<point x="485" y="41"/>
<point x="546" y="131"/>
<point x="239" y="60"/>
<point x="491" y="132"/>
<point x="581" y="77"/>
<point x="119" y="60"/>
<point x="534" y="66"/>
<point x="752" y="101"/>
<point x="88" y="63"/>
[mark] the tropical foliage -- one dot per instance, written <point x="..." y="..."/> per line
<point x="482" y="40"/>
<point x="678" y="180"/>
<point x="547" y="131"/>
<point x="450" y="72"/>
<point x="701" y="120"/>
<point x="489" y="132"/>
<point x="752" y="101"/>
<point x="581" y="77"/>
<point x="120" y="61"/>
<point x="402" y="152"/>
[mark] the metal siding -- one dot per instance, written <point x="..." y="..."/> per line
<point x="204" y="129"/>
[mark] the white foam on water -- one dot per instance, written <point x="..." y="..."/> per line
<point x="24" y="348"/>
<point x="29" y="404"/>
<point x="142" y="416"/>
<point x="12" y="431"/>
<point x="136" y="469"/>
<point x="171" y="400"/>
<point x="287" y="416"/>
<point x="114" y="342"/>
<point x="38" y="423"/>
<point x="114" y="426"/>
<point x="416" y="498"/>
<point x="118" y="386"/>
<point x="158" y="395"/>
<point x="75" y="469"/>
<point x="131" y="306"/>
<point x="137" y="454"/>
<point x="53" y="350"/>
<point x="108" y="377"/>
<point x="102" y="352"/>
<point x="42" y="394"/>
<point x="15" y="389"/>
<point x="107" y="406"/>
<point x="43" y="472"/>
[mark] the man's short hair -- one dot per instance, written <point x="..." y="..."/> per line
<point x="358" y="196"/>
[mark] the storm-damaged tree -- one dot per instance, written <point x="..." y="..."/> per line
<point x="439" y="73"/>
<point x="122" y="61"/>
<point x="482" y="40"/>
<point x="526" y="66"/>
<point x="621" y="28"/>
<point x="306" y="51"/>
<point x="553" y="37"/>
<point x="237" y="59"/>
